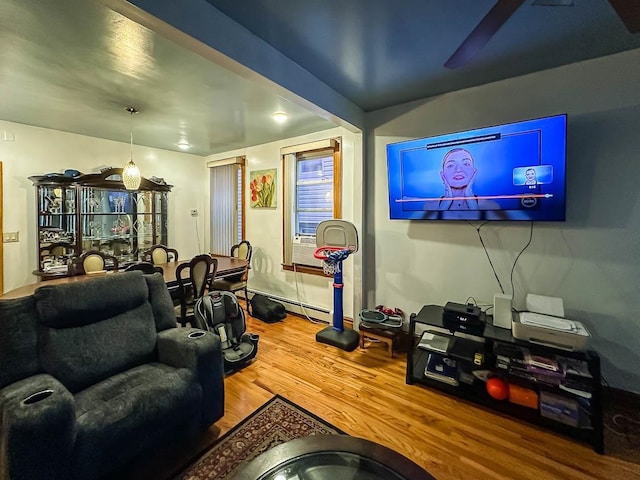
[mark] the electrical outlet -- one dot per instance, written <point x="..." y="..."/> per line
<point x="194" y="212"/>
<point x="9" y="237"/>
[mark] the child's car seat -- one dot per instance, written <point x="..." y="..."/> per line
<point x="219" y="312"/>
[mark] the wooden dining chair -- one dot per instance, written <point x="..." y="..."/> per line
<point x="193" y="278"/>
<point x="145" y="267"/>
<point x="237" y="282"/>
<point x="159" y="254"/>
<point x="93" y="261"/>
<point x="57" y="249"/>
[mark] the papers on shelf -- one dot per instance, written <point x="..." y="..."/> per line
<point x="434" y="342"/>
<point x="553" y="306"/>
<point x="553" y="323"/>
<point x="56" y="269"/>
<point x="442" y="369"/>
<point x="546" y="321"/>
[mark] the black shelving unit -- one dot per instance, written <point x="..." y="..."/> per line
<point x="477" y="353"/>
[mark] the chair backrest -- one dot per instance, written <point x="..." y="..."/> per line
<point x="93" y="261"/>
<point x="119" y="246"/>
<point x="201" y="269"/>
<point x="57" y="249"/>
<point x="159" y="254"/>
<point x="242" y="250"/>
<point x="145" y="267"/>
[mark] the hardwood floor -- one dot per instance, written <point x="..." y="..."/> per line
<point x="364" y="393"/>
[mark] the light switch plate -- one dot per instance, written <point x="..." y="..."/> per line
<point x="9" y="237"/>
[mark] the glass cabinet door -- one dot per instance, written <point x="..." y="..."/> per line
<point x="143" y="224"/>
<point x="94" y="212"/>
<point x="56" y="226"/>
<point x="161" y="218"/>
<point x="107" y="219"/>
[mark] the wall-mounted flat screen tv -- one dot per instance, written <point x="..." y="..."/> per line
<point x="514" y="171"/>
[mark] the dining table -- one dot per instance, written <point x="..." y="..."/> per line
<point x="227" y="266"/>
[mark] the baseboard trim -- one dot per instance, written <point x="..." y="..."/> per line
<point x="298" y="308"/>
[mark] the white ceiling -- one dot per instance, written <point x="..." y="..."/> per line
<point x="74" y="65"/>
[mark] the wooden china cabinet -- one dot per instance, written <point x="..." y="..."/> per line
<point x="81" y="212"/>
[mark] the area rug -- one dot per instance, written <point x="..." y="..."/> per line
<point x="622" y="432"/>
<point x="277" y="421"/>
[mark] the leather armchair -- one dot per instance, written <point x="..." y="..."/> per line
<point x="95" y="373"/>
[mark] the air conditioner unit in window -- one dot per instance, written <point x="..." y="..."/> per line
<point x="303" y="248"/>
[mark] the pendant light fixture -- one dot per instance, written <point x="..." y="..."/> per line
<point x="131" y="173"/>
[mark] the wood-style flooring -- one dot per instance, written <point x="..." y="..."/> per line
<point x="364" y="393"/>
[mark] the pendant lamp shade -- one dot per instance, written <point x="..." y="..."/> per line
<point x="131" y="173"/>
<point x="131" y="176"/>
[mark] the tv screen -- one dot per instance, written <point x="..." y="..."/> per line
<point x="514" y="171"/>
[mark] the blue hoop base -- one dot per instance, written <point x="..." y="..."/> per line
<point x="346" y="340"/>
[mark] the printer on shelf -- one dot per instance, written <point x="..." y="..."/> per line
<point x="551" y="331"/>
<point x="544" y="323"/>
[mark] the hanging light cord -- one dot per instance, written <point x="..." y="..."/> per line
<point x="131" y="133"/>
<point x="132" y="111"/>
<point x="131" y="173"/>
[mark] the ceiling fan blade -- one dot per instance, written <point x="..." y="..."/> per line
<point x="483" y="32"/>
<point x="552" y="3"/>
<point x="629" y="13"/>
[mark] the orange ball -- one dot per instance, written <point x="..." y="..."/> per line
<point x="498" y="388"/>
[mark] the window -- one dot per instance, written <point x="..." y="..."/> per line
<point x="227" y="206"/>
<point x="312" y="194"/>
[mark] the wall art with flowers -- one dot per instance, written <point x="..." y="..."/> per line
<point x="263" y="188"/>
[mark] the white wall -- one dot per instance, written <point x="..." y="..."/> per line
<point x="35" y="151"/>
<point x="264" y="227"/>
<point x="592" y="260"/>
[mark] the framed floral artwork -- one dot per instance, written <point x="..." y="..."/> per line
<point x="263" y="188"/>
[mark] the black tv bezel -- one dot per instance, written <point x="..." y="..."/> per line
<point x="558" y="218"/>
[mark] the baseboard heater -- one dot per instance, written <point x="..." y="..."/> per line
<point x="293" y="306"/>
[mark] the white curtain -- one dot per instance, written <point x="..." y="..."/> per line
<point x="224" y="208"/>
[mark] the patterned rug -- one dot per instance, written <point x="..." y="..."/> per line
<point x="277" y="421"/>
<point x="622" y="430"/>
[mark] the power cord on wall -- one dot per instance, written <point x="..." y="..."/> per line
<point x="478" y="228"/>
<point x="195" y="219"/>
<point x="473" y="301"/>
<point x="487" y="252"/>
<point x="521" y="252"/>
<point x="304" y="311"/>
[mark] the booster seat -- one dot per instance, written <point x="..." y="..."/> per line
<point x="220" y="313"/>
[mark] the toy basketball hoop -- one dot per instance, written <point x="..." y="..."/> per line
<point x="331" y="258"/>
<point x="336" y="240"/>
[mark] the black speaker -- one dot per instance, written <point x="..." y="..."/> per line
<point x="463" y="318"/>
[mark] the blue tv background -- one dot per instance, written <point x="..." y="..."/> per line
<point x="414" y="170"/>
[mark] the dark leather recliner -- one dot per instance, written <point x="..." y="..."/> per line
<point x="95" y="373"/>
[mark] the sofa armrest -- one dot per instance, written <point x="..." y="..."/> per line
<point x="199" y="351"/>
<point x="38" y="429"/>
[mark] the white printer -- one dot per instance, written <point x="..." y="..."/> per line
<point x="544" y="324"/>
